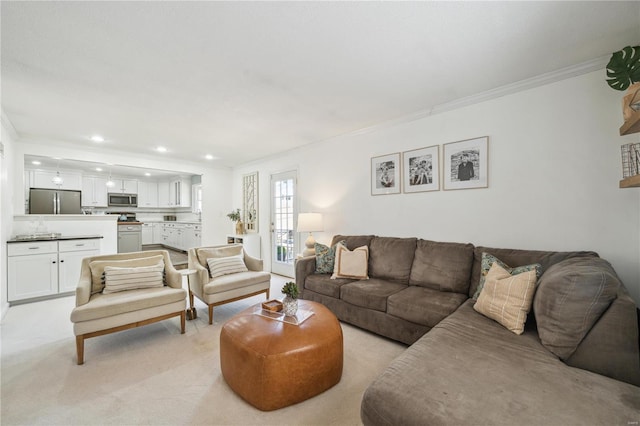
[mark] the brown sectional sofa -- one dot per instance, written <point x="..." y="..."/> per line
<point x="582" y="366"/>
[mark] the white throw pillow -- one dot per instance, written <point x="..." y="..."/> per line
<point x="120" y="279"/>
<point x="226" y="265"/>
<point x="351" y="264"/>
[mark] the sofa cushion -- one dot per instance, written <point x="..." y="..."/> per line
<point x="107" y="305"/>
<point x="442" y="266"/>
<point x="97" y="268"/>
<point x="391" y="258"/>
<point x="351" y="263"/>
<point x="325" y="257"/>
<point x="321" y="283"/>
<point x="488" y="260"/>
<point x="506" y="298"/>
<point x="217" y="252"/>
<point x="219" y="266"/>
<point x="371" y="294"/>
<point x="122" y="279"/>
<point x="352" y="241"/>
<point x="520" y="257"/>
<point x="571" y="297"/>
<point x="422" y="305"/>
<point x="234" y="281"/>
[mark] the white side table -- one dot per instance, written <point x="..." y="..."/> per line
<point x="191" y="311"/>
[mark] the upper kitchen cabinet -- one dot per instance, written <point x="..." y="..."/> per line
<point x="125" y="186"/>
<point x="147" y="194"/>
<point x="174" y="193"/>
<point x="45" y="179"/>
<point x="94" y="192"/>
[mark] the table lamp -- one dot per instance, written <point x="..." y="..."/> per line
<point x="309" y="222"/>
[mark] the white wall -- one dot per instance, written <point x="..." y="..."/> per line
<point x="554" y="167"/>
<point x="6" y="207"/>
<point x="216" y="182"/>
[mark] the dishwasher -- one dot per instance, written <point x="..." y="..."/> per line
<point x="129" y="238"/>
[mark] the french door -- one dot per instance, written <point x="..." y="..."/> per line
<point x="284" y="213"/>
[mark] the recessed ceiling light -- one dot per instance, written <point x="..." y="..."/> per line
<point x="97" y="138"/>
<point x="98" y="169"/>
<point x="161" y="149"/>
<point x="147" y="174"/>
<point x="36" y="162"/>
<point x="209" y="157"/>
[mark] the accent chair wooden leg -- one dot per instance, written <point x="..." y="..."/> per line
<point x="210" y="314"/>
<point x="268" y="294"/>
<point x="183" y="316"/>
<point x="80" y="349"/>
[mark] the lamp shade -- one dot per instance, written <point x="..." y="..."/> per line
<point x="309" y="222"/>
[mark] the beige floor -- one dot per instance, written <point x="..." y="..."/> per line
<point x="178" y="258"/>
<point x="155" y="375"/>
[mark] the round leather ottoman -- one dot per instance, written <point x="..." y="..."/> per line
<point x="272" y="364"/>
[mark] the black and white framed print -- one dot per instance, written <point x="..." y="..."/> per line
<point x="466" y="164"/>
<point x="421" y="169"/>
<point x="385" y="174"/>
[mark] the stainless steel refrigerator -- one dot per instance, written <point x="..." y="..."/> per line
<point x="54" y="201"/>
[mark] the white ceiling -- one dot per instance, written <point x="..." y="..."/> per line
<point x="245" y="80"/>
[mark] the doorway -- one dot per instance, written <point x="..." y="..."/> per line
<point x="283" y="222"/>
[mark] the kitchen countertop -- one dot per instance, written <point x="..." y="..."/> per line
<point x="130" y="223"/>
<point x="50" y="237"/>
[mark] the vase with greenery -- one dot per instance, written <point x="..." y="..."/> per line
<point x="623" y="73"/>
<point x="235" y="217"/>
<point x="290" y="302"/>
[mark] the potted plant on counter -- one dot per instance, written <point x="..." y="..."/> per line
<point x="290" y="302"/>
<point x="235" y="217"/>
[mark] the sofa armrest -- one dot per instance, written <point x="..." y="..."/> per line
<point x="199" y="279"/>
<point x="173" y="277"/>
<point x="253" y="264"/>
<point x="83" y="290"/>
<point x="305" y="266"/>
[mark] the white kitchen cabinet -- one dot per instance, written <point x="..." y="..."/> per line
<point x="174" y="193"/>
<point x="44" y="179"/>
<point x="163" y="194"/>
<point x="70" y="255"/>
<point x="125" y="186"/>
<point x="46" y="268"/>
<point x="147" y="194"/>
<point x="94" y="192"/>
<point x="147" y="233"/>
<point x="192" y="237"/>
<point x="157" y="233"/>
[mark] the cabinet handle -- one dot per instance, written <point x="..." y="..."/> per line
<point x="79" y="245"/>
<point x="62" y="261"/>
<point x="53" y="261"/>
<point x="34" y="248"/>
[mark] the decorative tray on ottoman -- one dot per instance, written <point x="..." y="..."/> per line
<point x="272" y="305"/>
<point x="297" y="319"/>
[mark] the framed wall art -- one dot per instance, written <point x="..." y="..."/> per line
<point x="250" y="202"/>
<point x="421" y="169"/>
<point x="466" y="164"/>
<point x="385" y="174"/>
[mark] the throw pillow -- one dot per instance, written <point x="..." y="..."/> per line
<point x="226" y="265"/>
<point x="488" y="260"/>
<point x="97" y="268"/>
<point x="325" y="257"/>
<point x="120" y="279"/>
<point x="351" y="264"/>
<point x="571" y="298"/>
<point x="507" y="298"/>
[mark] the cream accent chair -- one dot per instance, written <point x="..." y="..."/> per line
<point x="98" y="314"/>
<point x="226" y="288"/>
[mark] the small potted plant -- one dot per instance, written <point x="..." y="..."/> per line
<point x="235" y="217"/>
<point x="623" y="73"/>
<point x="290" y="302"/>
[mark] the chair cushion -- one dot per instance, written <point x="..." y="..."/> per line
<point x="370" y="294"/>
<point x="572" y="296"/>
<point x="442" y="266"/>
<point x="106" y="305"/>
<point x="422" y="305"/>
<point x="226" y="265"/>
<point x="97" y="268"/>
<point x="217" y="252"/>
<point x="351" y="263"/>
<point x="391" y="258"/>
<point x="234" y="281"/>
<point x="322" y="284"/>
<point x="507" y="298"/>
<point x="122" y="279"/>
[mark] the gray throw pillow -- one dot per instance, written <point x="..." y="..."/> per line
<point x="571" y="297"/>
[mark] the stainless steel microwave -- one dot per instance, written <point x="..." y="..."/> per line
<point x="123" y="200"/>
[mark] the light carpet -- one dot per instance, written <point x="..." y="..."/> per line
<point x="155" y="375"/>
